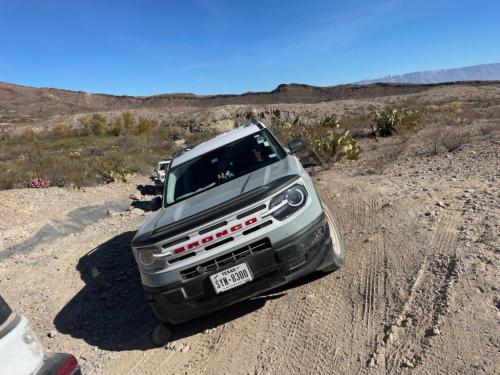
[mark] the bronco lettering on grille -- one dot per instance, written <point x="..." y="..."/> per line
<point x="211" y="237"/>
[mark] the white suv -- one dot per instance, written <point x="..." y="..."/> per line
<point x="22" y="354"/>
<point x="161" y="171"/>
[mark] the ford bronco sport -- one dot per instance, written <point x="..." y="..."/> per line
<point x="239" y="216"/>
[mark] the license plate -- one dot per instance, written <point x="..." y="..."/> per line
<point x="231" y="278"/>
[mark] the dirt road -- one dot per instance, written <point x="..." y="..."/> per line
<point x="420" y="292"/>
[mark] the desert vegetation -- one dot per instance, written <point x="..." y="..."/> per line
<point x="393" y="120"/>
<point x="97" y="151"/>
<point x="446" y="140"/>
<point x="126" y="124"/>
<point x="326" y="141"/>
<point x="110" y="146"/>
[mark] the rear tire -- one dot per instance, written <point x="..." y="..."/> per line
<point x="338" y="248"/>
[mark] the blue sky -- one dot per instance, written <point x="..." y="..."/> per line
<point x="231" y="46"/>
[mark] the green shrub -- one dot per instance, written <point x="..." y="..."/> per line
<point x="84" y="130"/>
<point x="12" y="175"/>
<point x="98" y="124"/>
<point x="94" y="125"/>
<point x="391" y="120"/>
<point x="455" y="106"/>
<point x="128" y="119"/>
<point x="124" y="124"/>
<point x="116" y="128"/>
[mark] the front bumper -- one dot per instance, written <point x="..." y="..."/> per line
<point x="308" y="250"/>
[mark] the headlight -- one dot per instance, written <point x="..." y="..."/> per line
<point x="296" y="197"/>
<point x="147" y="259"/>
<point x="288" y="202"/>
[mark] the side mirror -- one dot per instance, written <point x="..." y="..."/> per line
<point x="155" y="204"/>
<point x="296" y="145"/>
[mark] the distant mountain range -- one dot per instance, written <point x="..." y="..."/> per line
<point x="484" y="72"/>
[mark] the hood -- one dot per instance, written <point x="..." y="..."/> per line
<point x="220" y="194"/>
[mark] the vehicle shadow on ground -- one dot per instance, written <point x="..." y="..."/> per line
<point x="111" y="311"/>
<point x="148" y="189"/>
<point x="143" y="205"/>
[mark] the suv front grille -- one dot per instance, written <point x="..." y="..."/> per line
<point x="226" y="259"/>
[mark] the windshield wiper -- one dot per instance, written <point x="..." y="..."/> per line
<point x="195" y="192"/>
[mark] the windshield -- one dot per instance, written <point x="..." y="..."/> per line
<point x="222" y="165"/>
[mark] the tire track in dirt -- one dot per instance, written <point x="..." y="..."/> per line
<point x="342" y="206"/>
<point x="356" y="217"/>
<point x="406" y="338"/>
<point x="320" y="329"/>
<point x="267" y="357"/>
<point x="368" y="295"/>
<point x="311" y="322"/>
<point x="365" y="289"/>
<point x="245" y="334"/>
<point x="168" y="361"/>
<point x="374" y="306"/>
<point x="203" y="348"/>
<point x="290" y="332"/>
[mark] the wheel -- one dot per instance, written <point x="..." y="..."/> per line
<point x="161" y="334"/>
<point x="338" y="248"/>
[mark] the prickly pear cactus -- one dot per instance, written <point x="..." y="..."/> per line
<point x="391" y="120"/>
<point x="326" y="140"/>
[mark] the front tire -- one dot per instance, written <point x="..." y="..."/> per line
<point x="338" y="248"/>
<point x="161" y="334"/>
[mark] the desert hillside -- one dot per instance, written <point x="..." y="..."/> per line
<point x="42" y="108"/>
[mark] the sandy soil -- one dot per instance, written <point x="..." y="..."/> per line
<point x="419" y="293"/>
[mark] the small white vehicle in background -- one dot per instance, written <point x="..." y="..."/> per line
<point x="21" y="353"/>
<point x="161" y="171"/>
